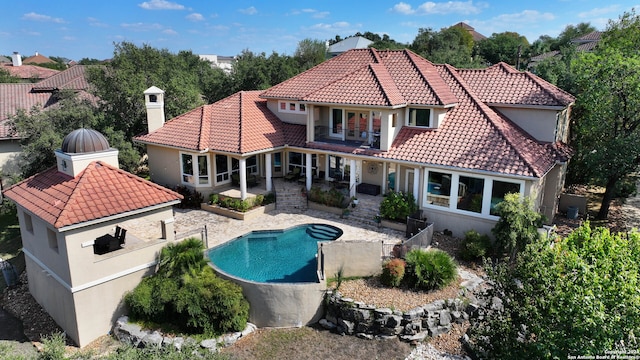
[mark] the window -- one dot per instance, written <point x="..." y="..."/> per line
<point x="53" y="240"/>
<point x="470" y="192"/>
<point x="500" y="189"/>
<point x="251" y="165"/>
<point x="394" y="118"/>
<point x="336" y="121"/>
<point x="296" y="159"/>
<point x="419" y="117"/>
<point x="439" y="189"/>
<point x="277" y="162"/>
<point x="292" y="107"/>
<point x="28" y="223"/>
<point x="199" y="167"/>
<point x="222" y="168"/>
<point x="337" y="169"/>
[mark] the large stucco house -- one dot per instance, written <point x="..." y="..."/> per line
<point x="90" y="232"/>
<point x="457" y="139"/>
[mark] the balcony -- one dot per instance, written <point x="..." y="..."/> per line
<point x="352" y="137"/>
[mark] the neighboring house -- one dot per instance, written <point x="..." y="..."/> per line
<point x="28" y="73"/>
<point x="25" y="96"/>
<point x="584" y="43"/>
<point x="353" y="42"/>
<point x="90" y="232"/>
<point x="223" y="62"/>
<point x="476" y="35"/>
<point x="37" y="59"/>
<point x="458" y="140"/>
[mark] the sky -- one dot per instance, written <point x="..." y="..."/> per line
<point x="78" y="29"/>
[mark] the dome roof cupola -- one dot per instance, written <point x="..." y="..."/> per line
<point x="82" y="147"/>
<point x="83" y="141"/>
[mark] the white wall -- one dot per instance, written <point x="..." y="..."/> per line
<point x="541" y="124"/>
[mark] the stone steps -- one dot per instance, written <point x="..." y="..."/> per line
<point x="289" y="197"/>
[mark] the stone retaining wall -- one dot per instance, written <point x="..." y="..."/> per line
<point x="132" y="334"/>
<point x="349" y="317"/>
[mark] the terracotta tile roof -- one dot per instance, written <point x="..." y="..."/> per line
<point x="29" y="71"/>
<point x="240" y="123"/>
<point x="37" y="59"/>
<point x="73" y="78"/>
<point x="503" y="84"/>
<point x="26" y="95"/>
<point x="368" y="77"/>
<point x="474" y="137"/>
<point x="99" y="191"/>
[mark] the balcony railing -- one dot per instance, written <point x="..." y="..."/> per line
<point x="352" y="137"/>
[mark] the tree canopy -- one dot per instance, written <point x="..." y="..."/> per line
<point x="505" y="47"/>
<point x="453" y="45"/>
<point x="577" y="297"/>
<point x="607" y="125"/>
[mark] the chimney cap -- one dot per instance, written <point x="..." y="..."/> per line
<point x="153" y="90"/>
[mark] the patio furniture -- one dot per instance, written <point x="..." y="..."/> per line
<point x="293" y="175"/>
<point x="252" y="180"/>
<point x="369" y="189"/>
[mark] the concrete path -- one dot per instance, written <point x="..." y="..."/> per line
<point x="631" y="210"/>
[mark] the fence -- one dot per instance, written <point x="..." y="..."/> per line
<point x="421" y="240"/>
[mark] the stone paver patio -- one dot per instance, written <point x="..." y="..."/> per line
<point x="221" y="229"/>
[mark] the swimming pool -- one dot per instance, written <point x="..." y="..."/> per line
<point x="274" y="256"/>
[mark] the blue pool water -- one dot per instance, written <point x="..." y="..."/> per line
<point x="274" y="256"/>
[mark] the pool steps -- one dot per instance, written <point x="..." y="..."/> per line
<point x="323" y="232"/>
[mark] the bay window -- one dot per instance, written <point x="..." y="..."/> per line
<point x="500" y="189"/>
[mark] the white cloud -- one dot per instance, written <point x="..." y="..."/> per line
<point x="39" y="17"/>
<point x="403" y="8"/>
<point x="95" y="22"/>
<point x="599" y="11"/>
<point x="68" y="38"/>
<point x="525" y="16"/>
<point x="161" y="5"/>
<point x="249" y="11"/>
<point x="195" y="17"/>
<point x="320" y="15"/>
<point x="141" y="26"/>
<point x="169" y="32"/>
<point x="449" y="7"/>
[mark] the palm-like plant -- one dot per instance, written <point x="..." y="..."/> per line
<point x="181" y="258"/>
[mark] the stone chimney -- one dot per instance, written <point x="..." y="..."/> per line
<point x="16" y="59"/>
<point x="154" y="101"/>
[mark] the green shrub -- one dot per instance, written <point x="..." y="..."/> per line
<point x="397" y="206"/>
<point x="187" y="294"/>
<point x="430" y="270"/>
<point x="269" y="198"/>
<point x="518" y="225"/>
<point x="475" y="245"/>
<point x="53" y="347"/>
<point x="392" y="272"/>
<point x="191" y="199"/>
<point x="332" y="197"/>
<point x="258" y="200"/>
<point x="212" y="305"/>
<point x="214" y="199"/>
<point x="578" y="297"/>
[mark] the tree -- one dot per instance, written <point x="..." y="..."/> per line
<point x="557" y="69"/>
<point x="310" y="53"/>
<point x="570" y="33"/>
<point x="607" y="125"/>
<point x="6" y="77"/>
<point x="577" y="297"/>
<point x="387" y="43"/>
<point x="518" y="225"/>
<point x="503" y="47"/>
<point x="453" y="45"/>
<point x="42" y="132"/>
<point x="120" y="84"/>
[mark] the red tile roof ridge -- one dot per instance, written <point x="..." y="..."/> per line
<point x="388" y="86"/>
<point x="205" y="128"/>
<point x="544" y="85"/>
<point x="495" y="119"/>
<point x="445" y="99"/>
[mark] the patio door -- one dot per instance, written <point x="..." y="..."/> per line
<point x="408" y="182"/>
<point x="357" y="125"/>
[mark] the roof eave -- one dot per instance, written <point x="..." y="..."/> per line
<point x="531" y="106"/>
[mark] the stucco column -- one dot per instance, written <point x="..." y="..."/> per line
<point x="384" y="178"/>
<point x="308" y="171"/>
<point x="268" y="175"/>
<point x="352" y="177"/>
<point x="416" y="185"/>
<point x="243" y="178"/>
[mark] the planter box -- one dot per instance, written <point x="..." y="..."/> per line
<point x="325" y="208"/>
<point x="393" y="225"/>
<point x="251" y="214"/>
